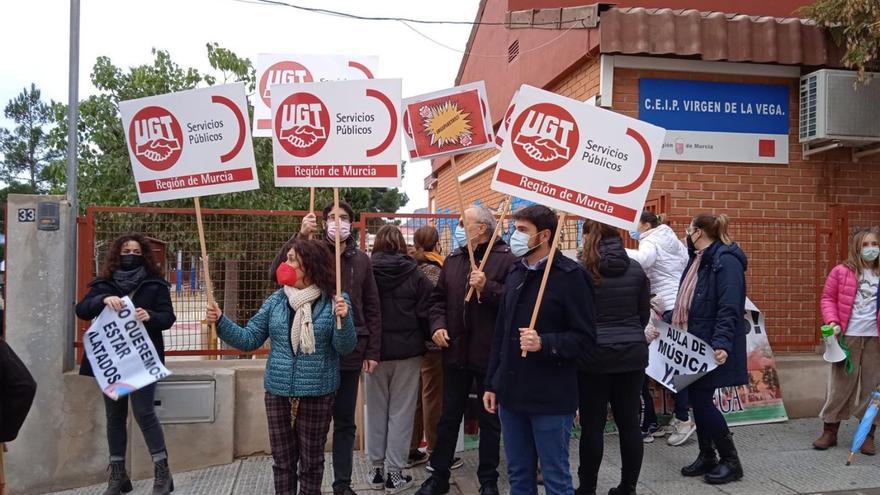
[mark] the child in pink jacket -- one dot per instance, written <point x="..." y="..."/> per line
<point x="850" y="304"/>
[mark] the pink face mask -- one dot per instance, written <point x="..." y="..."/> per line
<point x="344" y="230"/>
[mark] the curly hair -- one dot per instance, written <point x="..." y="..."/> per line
<point x="112" y="262"/>
<point x="316" y="262"/>
<point x="593" y="233"/>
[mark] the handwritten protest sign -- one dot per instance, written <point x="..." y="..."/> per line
<point x="278" y="68"/>
<point x="121" y="353"/>
<point x="676" y="358"/>
<point x="190" y="143"/>
<point x="337" y="134"/>
<point x="578" y="158"/>
<point x="454" y="120"/>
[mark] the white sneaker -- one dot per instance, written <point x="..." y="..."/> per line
<point x="668" y="428"/>
<point x="683" y="432"/>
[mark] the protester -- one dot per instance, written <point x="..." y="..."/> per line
<point x="426" y="242"/>
<point x="392" y="389"/>
<point x="850" y="304"/>
<point x="613" y="368"/>
<point x="131" y="270"/>
<point x="464" y="331"/>
<point x="537" y="396"/>
<point x="302" y="372"/>
<point x="17" y="388"/>
<point x="359" y="284"/>
<point x="711" y="306"/>
<point x="663" y="257"/>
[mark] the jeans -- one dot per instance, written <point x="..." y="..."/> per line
<point x="532" y="438"/>
<point x="144" y="414"/>
<point x="344" y="427"/>
<point x="649" y="414"/>
<point x="707" y="417"/>
<point x="682" y="401"/>
<point x="456" y="388"/>
<point x="622" y="391"/>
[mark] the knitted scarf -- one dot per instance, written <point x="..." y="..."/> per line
<point x="302" y="335"/>
<point x="686" y="294"/>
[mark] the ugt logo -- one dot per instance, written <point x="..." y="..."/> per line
<point x="545" y="137"/>
<point x="302" y="124"/>
<point x="155" y="136"/>
<point x="285" y="72"/>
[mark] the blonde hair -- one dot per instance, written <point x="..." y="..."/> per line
<point x="854" y="261"/>
<point x="715" y="226"/>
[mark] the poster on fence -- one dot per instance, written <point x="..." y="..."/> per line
<point x="190" y="143"/>
<point x="676" y="358"/>
<point x="555" y="143"/>
<point x="337" y="134"/>
<point x="451" y="121"/>
<point x="280" y="68"/>
<point x="761" y="400"/>
<point x="121" y="353"/>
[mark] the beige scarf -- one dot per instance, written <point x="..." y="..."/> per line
<point x="686" y="294"/>
<point x="302" y="335"/>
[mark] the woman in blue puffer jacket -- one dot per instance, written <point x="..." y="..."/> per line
<point x="302" y="373"/>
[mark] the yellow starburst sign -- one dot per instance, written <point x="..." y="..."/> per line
<point x="446" y="124"/>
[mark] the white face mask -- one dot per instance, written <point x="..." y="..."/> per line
<point x="519" y="244"/>
<point x="344" y="230"/>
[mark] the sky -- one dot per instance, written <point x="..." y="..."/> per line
<point x="34" y="37"/>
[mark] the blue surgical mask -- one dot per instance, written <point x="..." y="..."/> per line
<point x="459" y="237"/>
<point x="870" y="253"/>
<point x="635" y="234"/>
<point x="519" y="244"/>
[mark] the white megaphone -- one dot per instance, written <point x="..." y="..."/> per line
<point x="833" y="352"/>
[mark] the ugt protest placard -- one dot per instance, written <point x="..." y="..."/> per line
<point x="676" y="358"/>
<point x="191" y="143"/>
<point x="578" y="158"/>
<point x="504" y="128"/>
<point x="276" y="68"/>
<point x="337" y="134"/>
<point x="454" y="120"/>
<point x="121" y="353"/>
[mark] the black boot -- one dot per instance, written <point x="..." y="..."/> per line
<point x="729" y="469"/>
<point x="163" y="484"/>
<point x="622" y="490"/>
<point x="119" y="482"/>
<point x="706" y="460"/>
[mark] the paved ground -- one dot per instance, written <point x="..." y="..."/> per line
<point x="778" y="459"/>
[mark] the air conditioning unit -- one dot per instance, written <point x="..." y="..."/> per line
<point x="834" y="108"/>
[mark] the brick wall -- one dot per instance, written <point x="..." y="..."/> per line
<point x="780" y="213"/>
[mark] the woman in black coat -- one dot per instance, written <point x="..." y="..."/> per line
<point x="392" y="389"/>
<point x="131" y="270"/>
<point x="613" y="368"/>
<point x="711" y="306"/>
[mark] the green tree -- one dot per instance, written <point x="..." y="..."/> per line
<point x="854" y="25"/>
<point x="26" y="150"/>
<point x="104" y="169"/>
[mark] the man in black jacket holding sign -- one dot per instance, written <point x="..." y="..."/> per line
<point x="536" y="396"/>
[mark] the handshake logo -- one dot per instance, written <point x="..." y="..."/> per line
<point x="302" y="124"/>
<point x="155" y="136"/>
<point x="546" y="136"/>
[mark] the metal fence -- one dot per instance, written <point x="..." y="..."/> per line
<point x="787" y="263"/>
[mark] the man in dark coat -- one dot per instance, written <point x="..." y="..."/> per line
<point x="464" y="332"/>
<point x="536" y="396"/>
<point x="359" y="284"/>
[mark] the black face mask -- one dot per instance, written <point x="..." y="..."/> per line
<point x="130" y="261"/>
<point x="690" y="243"/>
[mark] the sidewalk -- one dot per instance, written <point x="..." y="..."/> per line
<point x="778" y="459"/>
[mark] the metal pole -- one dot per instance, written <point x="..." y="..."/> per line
<point x="72" y="147"/>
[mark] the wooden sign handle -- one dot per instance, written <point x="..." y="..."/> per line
<point x="338" y="252"/>
<point x="209" y="286"/>
<point x="559" y="227"/>
<point x="495" y="235"/>
<point x="461" y="207"/>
